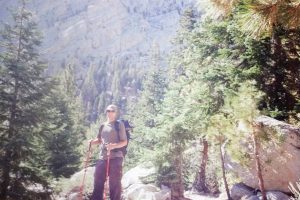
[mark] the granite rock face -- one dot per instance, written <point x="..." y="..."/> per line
<point x="88" y="31"/>
<point x="110" y="44"/>
<point x="279" y="156"/>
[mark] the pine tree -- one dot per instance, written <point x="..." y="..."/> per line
<point x="277" y="26"/>
<point x="204" y="83"/>
<point x="244" y="109"/>
<point x="63" y="141"/>
<point x="143" y="115"/>
<point x="219" y="132"/>
<point x="174" y="135"/>
<point x="270" y="50"/>
<point x="67" y="121"/>
<point x="22" y="87"/>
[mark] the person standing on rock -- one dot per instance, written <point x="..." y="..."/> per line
<point x="109" y="143"/>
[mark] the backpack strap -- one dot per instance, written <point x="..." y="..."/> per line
<point x="117" y="127"/>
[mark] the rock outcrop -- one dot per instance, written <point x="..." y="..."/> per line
<point x="70" y="188"/>
<point x="135" y="175"/>
<point x="135" y="189"/>
<point x="279" y="154"/>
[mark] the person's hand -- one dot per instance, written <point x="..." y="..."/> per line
<point x="110" y="147"/>
<point x="93" y="141"/>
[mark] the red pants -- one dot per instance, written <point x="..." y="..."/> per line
<point x="115" y="176"/>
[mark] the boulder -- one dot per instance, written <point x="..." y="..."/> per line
<point x="240" y="190"/>
<point x="70" y="187"/>
<point x="135" y="189"/>
<point x="135" y="175"/>
<point x="276" y="195"/>
<point x="146" y="192"/>
<point x="279" y="156"/>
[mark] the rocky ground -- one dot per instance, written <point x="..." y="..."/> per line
<point x="203" y="197"/>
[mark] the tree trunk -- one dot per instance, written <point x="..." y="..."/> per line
<point x="5" y="177"/>
<point x="177" y="188"/>
<point x="200" y="181"/>
<point x="177" y="191"/>
<point x="258" y="165"/>
<point x="224" y="172"/>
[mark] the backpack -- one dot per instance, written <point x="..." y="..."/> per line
<point x="128" y="128"/>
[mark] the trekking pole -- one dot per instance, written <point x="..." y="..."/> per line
<point x="88" y="154"/>
<point x="106" y="186"/>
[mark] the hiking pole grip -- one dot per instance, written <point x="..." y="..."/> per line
<point x="90" y="146"/>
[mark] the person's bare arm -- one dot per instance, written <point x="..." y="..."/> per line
<point x="95" y="141"/>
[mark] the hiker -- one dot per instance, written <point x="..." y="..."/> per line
<point x="110" y="143"/>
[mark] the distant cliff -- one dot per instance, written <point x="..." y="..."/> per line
<point x="87" y="30"/>
<point x="100" y="37"/>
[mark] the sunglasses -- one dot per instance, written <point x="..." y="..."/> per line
<point x="110" y="111"/>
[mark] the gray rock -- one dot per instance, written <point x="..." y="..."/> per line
<point x="252" y="197"/>
<point x="134" y="175"/>
<point x="279" y="156"/>
<point x="271" y="195"/>
<point x="276" y="195"/>
<point x="146" y="192"/>
<point x="135" y="189"/>
<point x="240" y="190"/>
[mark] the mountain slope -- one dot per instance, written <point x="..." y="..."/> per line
<point x="85" y="30"/>
<point x="101" y="36"/>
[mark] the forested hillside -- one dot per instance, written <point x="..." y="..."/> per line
<point x="110" y="44"/>
<point x="212" y="100"/>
